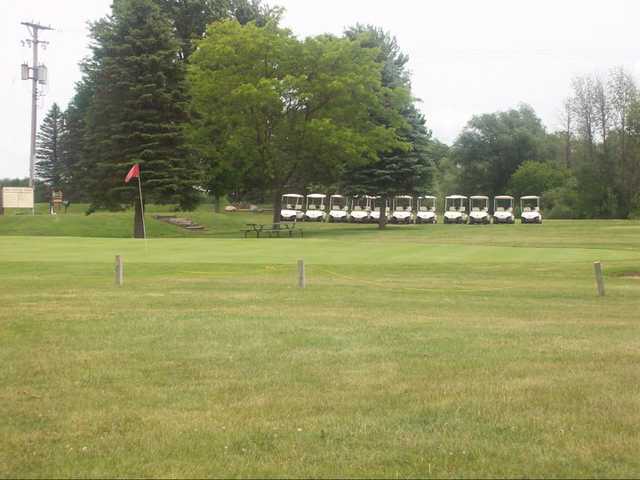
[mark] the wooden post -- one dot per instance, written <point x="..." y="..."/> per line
<point x="119" y="271"/>
<point x="301" y="275"/>
<point x="599" y="278"/>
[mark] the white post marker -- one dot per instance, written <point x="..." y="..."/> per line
<point x="599" y="278"/>
<point x="301" y="274"/>
<point x="119" y="271"/>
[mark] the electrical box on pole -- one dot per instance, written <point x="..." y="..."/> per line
<point x="42" y="74"/>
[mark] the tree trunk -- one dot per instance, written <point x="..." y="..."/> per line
<point x="138" y="224"/>
<point x="217" y="207"/>
<point x="382" y="222"/>
<point x="277" y="205"/>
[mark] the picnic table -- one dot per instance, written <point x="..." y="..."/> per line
<point x="272" y="229"/>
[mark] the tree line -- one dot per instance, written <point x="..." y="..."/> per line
<point x="215" y="98"/>
<point x="588" y="169"/>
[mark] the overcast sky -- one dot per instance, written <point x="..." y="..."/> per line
<point x="467" y="56"/>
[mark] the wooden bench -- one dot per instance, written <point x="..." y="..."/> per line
<point x="272" y="230"/>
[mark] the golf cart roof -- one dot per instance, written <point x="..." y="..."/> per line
<point x="293" y="195"/>
<point x="530" y="197"/>
<point x="456" y="197"/>
<point x="427" y="197"/>
<point x="316" y="195"/>
<point x="404" y="197"/>
<point x="479" y="197"/>
<point x="337" y="196"/>
<point x="504" y="197"/>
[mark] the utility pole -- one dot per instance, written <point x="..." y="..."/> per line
<point x="38" y="74"/>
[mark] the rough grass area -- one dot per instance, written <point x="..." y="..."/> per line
<point x="446" y="351"/>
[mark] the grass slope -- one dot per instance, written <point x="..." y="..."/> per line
<point x="417" y="352"/>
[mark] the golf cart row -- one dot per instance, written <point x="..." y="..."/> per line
<point x="406" y="209"/>
<point x="358" y="209"/>
<point x="455" y="210"/>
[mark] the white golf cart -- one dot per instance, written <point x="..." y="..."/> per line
<point x="503" y="210"/>
<point x="530" y="209"/>
<point x="316" y="208"/>
<point x="426" y="210"/>
<point x="361" y="209"/>
<point x="338" y="209"/>
<point x="479" y="213"/>
<point x="292" y="207"/>
<point x="402" y="209"/>
<point x="455" y="209"/>
<point x="376" y="206"/>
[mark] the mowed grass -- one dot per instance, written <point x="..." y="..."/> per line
<point x="433" y="351"/>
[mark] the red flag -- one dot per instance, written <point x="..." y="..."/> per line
<point x="133" y="173"/>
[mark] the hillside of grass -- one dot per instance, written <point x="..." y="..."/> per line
<point x="76" y="223"/>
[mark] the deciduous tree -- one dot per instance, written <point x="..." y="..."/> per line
<point x="493" y="146"/>
<point x="279" y="112"/>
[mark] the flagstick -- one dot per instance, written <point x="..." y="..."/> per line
<point x="144" y="227"/>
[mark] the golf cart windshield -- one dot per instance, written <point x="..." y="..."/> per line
<point x="315" y="202"/>
<point x="403" y="204"/>
<point x="479" y="203"/>
<point x="530" y="204"/>
<point x="338" y="203"/>
<point x="456" y="204"/>
<point x="427" y="204"/>
<point x="361" y="204"/>
<point x="503" y="204"/>
<point x="292" y="202"/>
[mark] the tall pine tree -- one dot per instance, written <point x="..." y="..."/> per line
<point x="404" y="170"/>
<point x="191" y="17"/>
<point x="74" y="146"/>
<point x="138" y="111"/>
<point x="50" y="166"/>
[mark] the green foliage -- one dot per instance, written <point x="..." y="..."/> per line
<point x="406" y="169"/>
<point x="191" y="17"/>
<point x="75" y="148"/>
<point x="50" y="159"/>
<point x="274" y="111"/>
<point x="564" y="201"/>
<point x="493" y="146"/>
<point x="604" y="143"/>
<point x="138" y="111"/>
<point x="535" y="178"/>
